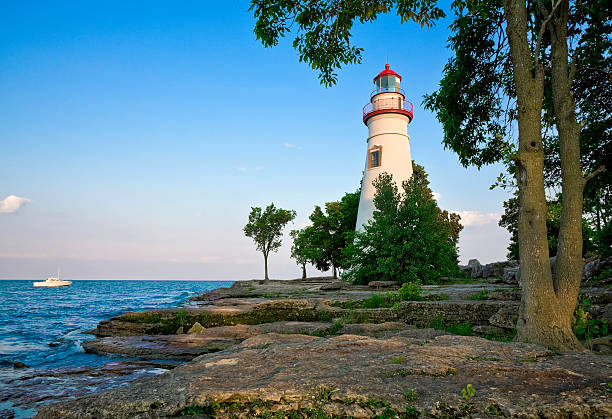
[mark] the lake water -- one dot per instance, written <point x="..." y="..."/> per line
<point x="44" y="327"/>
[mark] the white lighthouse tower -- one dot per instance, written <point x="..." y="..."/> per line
<point x="387" y="117"/>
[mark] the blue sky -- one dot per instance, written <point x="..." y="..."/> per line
<point x="138" y="135"/>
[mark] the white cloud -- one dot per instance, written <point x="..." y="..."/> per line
<point x="243" y="169"/>
<point x="436" y="195"/>
<point x="289" y="145"/>
<point x="12" y="204"/>
<point x="475" y="218"/>
<point x="259" y="168"/>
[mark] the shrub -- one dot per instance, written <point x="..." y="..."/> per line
<point x="411" y="291"/>
<point x="584" y="326"/>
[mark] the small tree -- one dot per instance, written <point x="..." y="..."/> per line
<point x="331" y="231"/>
<point x="301" y="248"/>
<point x="409" y="239"/>
<point x="266" y="229"/>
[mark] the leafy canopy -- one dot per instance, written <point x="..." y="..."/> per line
<point x="266" y="227"/>
<point x="322" y="243"/>
<point x="323" y="28"/>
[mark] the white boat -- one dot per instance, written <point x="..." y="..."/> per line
<point x="53" y="282"/>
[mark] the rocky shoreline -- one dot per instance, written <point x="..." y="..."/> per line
<point x="312" y="348"/>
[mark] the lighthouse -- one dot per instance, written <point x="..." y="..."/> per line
<point x="387" y="116"/>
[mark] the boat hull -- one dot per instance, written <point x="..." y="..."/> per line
<point x="53" y="284"/>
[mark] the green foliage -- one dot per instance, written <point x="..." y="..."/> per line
<point x="398" y="360"/>
<point x="463" y="329"/>
<point x="334" y="329"/>
<point x="180" y="317"/>
<point x="603" y="275"/>
<point x="493" y="410"/>
<point x="468" y="392"/>
<point x="374" y="301"/>
<point x="480" y="295"/>
<point x="437" y="323"/>
<point x="266" y="228"/>
<point x="411" y="291"/>
<point x="410" y="395"/>
<point x="584" y="326"/>
<point x="323" y="242"/>
<point x="195" y="409"/>
<point x="471" y="101"/>
<point x="409" y="238"/>
<point x="323" y="29"/>
<point x="509" y="220"/>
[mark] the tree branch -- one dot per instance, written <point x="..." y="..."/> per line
<point x="594" y="173"/>
<point x="542" y="29"/>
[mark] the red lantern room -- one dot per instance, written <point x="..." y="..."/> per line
<point x="387" y="96"/>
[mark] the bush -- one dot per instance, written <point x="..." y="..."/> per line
<point x="584" y="326"/>
<point x="411" y="291"/>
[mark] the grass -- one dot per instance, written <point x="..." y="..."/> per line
<point x="334" y="329"/>
<point x="480" y="295"/>
<point x="493" y="410"/>
<point x="410" y="395"/>
<point x="462" y="329"/>
<point x="398" y="360"/>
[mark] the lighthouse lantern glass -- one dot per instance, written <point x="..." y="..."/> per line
<point x="388" y="84"/>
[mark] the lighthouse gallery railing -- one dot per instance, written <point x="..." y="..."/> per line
<point x="392" y="103"/>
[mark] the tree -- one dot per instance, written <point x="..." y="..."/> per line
<point x="266" y="229"/>
<point x="331" y="231"/>
<point x="409" y="239"/>
<point x="301" y="248"/>
<point x="504" y="52"/>
<point x="509" y="220"/>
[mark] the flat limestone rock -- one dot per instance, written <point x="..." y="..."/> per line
<point x="382" y="284"/>
<point x="175" y="347"/>
<point x="306" y="328"/>
<point x="341" y="375"/>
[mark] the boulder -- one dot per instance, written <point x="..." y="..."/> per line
<point x="196" y="328"/>
<point x="511" y="275"/>
<point x="497" y="268"/>
<point x="505" y="318"/>
<point x="603" y="344"/>
<point x="382" y="284"/>
<point x="590" y="270"/>
<point x="595" y="267"/>
<point x="476" y="271"/>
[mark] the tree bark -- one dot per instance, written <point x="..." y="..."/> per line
<point x="335" y="272"/>
<point x="569" y="264"/>
<point x="266" y="279"/>
<point x="540" y="319"/>
<point x="303" y="271"/>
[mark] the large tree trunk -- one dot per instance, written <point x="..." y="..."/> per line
<point x="540" y="320"/>
<point x="303" y="271"/>
<point x="568" y="266"/>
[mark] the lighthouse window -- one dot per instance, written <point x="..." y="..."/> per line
<point x="374" y="158"/>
